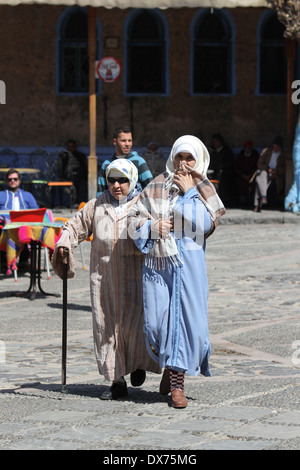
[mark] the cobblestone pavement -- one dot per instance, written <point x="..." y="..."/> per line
<point x="252" y="400"/>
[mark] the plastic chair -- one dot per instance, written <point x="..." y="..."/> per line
<point x="64" y="219"/>
<point x="39" y="190"/>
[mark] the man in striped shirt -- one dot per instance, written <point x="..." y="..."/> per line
<point x="123" y="149"/>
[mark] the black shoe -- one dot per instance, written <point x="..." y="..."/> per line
<point x="137" y="378"/>
<point x="117" y="390"/>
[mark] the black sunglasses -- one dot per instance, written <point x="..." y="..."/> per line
<point x="12" y="179"/>
<point x="120" y="180"/>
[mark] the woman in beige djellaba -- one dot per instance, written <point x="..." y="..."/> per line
<point x="115" y="279"/>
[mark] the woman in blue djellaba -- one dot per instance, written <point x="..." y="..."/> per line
<point x="170" y="222"/>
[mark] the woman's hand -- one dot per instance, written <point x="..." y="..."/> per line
<point x="183" y="179"/>
<point x="61" y="253"/>
<point x="162" y="227"/>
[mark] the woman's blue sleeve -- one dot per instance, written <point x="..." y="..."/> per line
<point x="194" y="213"/>
<point x="142" y="237"/>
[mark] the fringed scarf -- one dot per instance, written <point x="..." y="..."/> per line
<point x="157" y="201"/>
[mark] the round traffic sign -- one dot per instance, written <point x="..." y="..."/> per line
<point x="108" y="69"/>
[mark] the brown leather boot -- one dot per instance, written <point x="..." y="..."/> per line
<point x="165" y="387"/>
<point x="178" y="399"/>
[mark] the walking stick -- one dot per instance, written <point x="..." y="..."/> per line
<point x="252" y="177"/>
<point x="64" y="322"/>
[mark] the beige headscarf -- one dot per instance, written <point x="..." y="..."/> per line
<point x="125" y="168"/>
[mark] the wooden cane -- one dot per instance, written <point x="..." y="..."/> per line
<point x="64" y="322"/>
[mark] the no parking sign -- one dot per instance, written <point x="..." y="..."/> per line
<point x="108" y="69"/>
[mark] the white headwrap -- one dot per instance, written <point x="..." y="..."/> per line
<point x="194" y="146"/>
<point x="157" y="201"/>
<point x="125" y="168"/>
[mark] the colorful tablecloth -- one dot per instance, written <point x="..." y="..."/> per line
<point x="16" y="235"/>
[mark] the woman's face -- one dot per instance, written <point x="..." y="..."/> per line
<point x="118" y="186"/>
<point x="184" y="157"/>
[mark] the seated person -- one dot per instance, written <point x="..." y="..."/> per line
<point x="15" y="198"/>
<point x="72" y="166"/>
<point x="214" y="169"/>
<point x="154" y="160"/>
<point x="225" y="158"/>
<point x="245" y="166"/>
<point x="269" y="180"/>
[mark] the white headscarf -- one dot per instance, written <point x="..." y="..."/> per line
<point x="194" y="146"/>
<point x="125" y="168"/>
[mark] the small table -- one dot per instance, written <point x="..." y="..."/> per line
<point x="16" y="235"/>
<point x="23" y="171"/>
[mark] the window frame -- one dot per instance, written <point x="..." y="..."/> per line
<point x="130" y="18"/>
<point x="262" y="21"/>
<point x="58" y="53"/>
<point x="228" y="22"/>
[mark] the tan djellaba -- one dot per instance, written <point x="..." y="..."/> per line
<point x="115" y="283"/>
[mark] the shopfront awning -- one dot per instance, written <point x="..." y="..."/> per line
<point x="162" y="4"/>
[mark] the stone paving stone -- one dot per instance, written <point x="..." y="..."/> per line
<point x="237" y="413"/>
<point x="201" y="426"/>
<point x="41" y="444"/>
<point x="165" y="440"/>
<point x="290" y="417"/>
<point x="229" y="444"/>
<point x="267" y="431"/>
<point x="80" y="435"/>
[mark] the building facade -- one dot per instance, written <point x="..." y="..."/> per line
<point x="196" y="71"/>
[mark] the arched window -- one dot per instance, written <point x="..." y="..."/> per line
<point x="271" y="55"/>
<point x="72" y="52"/>
<point x="213" y="39"/>
<point x="146" y="61"/>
